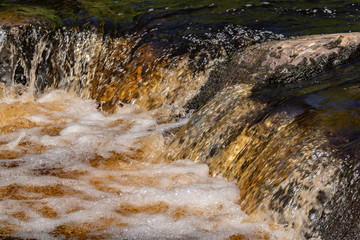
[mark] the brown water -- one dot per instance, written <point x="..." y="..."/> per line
<point x="119" y="167"/>
<point x="70" y="171"/>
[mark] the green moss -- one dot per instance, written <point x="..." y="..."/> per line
<point x="48" y="14"/>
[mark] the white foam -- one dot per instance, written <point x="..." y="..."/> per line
<point x="98" y="171"/>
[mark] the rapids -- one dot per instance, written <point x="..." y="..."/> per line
<point x="179" y="119"/>
<point x="69" y="170"/>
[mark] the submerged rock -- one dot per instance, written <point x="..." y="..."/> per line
<point x="11" y="19"/>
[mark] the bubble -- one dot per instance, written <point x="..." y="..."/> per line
<point x="101" y="173"/>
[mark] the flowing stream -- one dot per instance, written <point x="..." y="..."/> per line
<point x="69" y="170"/>
<point x="156" y="120"/>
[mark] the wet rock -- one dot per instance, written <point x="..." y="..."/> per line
<point x="297" y="59"/>
<point x="280" y="63"/>
<point x="267" y="127"/>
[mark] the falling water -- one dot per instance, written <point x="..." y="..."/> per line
<point x="163" y="124"/>
<point x="69" y="170"/>
<point x="75" y="167"/>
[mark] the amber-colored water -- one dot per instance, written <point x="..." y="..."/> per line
<point x="117" y="167"/>
<point x="70" y="171"/>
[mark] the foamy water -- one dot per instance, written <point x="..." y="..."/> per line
<point x="71" y="171"/>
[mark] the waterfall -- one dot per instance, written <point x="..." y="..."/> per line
<point x="264" y="113"/>
<point x="279" y="129"/>
<point x="124" y="69"/>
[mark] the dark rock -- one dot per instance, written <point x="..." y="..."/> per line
<point x="280" y="63"/>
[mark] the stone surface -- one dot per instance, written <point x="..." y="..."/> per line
<point x="280" y="62"/>
<point x="297" y="59"/>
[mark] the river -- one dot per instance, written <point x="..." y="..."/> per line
<point x="138" y="120"/>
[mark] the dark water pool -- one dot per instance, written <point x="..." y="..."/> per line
<point x="300" y="17"/>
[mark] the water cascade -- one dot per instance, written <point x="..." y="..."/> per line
<point x="289" y="149"/>
<point x="141" y="132"/>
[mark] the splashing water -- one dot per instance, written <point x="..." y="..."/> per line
<point x="68" y="170"/>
